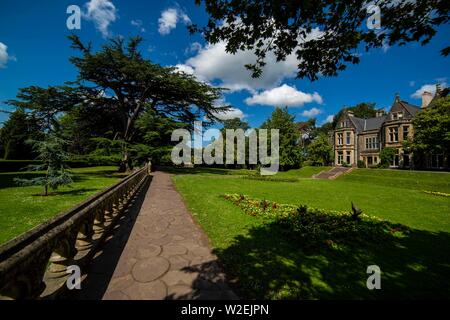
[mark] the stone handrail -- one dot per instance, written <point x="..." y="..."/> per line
<point x="34" y="265"/>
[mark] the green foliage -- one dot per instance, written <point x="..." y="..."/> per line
<point x="386" y="157"/>
<point x="118" y="77"/>
<point x="432" y="129"/>
<point x="346" y="165"/>
<point x="288" y="27"/>
<point x="53" y="157"/>
<point x="235" y="124"/>
<point x="46" y="104"/>
<point x="361" y="164"/>
<point x="312" y="227"/>
<point x="153" y="138"/>
<point x="320" y="151"/>
<point x="19" y="128"/>
<point x="290" y="153"/>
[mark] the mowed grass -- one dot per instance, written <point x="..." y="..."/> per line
<point x="267" y="265"/>
<point x="22" y="208"/>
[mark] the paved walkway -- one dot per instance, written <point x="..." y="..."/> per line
<point x="166" y="255"/>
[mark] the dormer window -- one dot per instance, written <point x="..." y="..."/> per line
<point x="345" y="124"/>
<point x="394" y="116"/>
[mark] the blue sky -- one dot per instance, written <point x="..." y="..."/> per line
<point x="34" y="50"/>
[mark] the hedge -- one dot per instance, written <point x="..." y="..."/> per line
<point x="19" y="165"/>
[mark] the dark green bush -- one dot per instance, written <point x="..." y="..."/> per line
<point x="361" y="164"/>
<point x="77" y="162"/>
<point x="312" y="227"/>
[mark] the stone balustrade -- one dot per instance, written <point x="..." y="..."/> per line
<point x="34" y="265"/>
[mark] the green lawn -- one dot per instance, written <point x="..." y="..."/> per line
<point x="22" y="208"/>
<point x="269" y="266"/>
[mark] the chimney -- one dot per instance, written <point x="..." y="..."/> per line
<point x="438" y="90"/>
<point x="426" y="99"/>
<point x="379" y="113"/>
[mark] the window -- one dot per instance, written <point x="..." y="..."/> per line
<point x="348" y="137"/>
<point x="400" y="115"/>
<point x="340" y="157"/>
<point x="394" y="116"/>
<point x="396" y="159"/>
<point x="405" y="132"/>
<point x="372" y="143"/>
<point x="369" y="161"/>
<point x="393" y="134"/>
<point x="348" y="158"/>
<point x="375" y="160"/>
<point x="340" y="139"/>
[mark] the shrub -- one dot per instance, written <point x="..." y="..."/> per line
<point x="361" y="164"/>
<point x="345" y="164"/>
<point x="386" y="157"/>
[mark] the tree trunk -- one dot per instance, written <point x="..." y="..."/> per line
<point x="125" y="162"/>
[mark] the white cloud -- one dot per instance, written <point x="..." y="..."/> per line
<point x="431" y="88"/>
<point x="184" y="68"/>
<point x="138" y="24"/>
<point x="169" y="19"/>
<point x="102" y="13"/>
<point x="4" y="56"/>
<point x="328" y="119"/>
<point x="193" y="48"/>
<point x="230" y="114"/>
<point x="283" y="96"/>
<point x="212" y="62"/>
<point x="311" y="113"/>
<point x="412" y="83"/>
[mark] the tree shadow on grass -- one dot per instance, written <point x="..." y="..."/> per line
<point x="265" y="264"/>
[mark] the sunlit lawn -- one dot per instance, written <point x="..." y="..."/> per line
<point x="269" y="266"/>
<point x="22" y="208"/>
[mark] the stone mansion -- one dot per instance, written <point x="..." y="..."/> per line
<point x="356" y="139"/>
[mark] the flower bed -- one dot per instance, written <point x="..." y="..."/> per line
<point x="316" y="227"/>
<point x="436" y="193"/>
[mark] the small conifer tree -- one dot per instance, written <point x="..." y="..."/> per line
<point x="53" y="156"/>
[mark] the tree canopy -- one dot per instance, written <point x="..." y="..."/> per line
<point x="119" y="78"/>
<point x="290" y="153"/>
<point x="324" y="35"/>
<point x="431" y="128"/>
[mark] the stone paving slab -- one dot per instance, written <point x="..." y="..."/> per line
<point x="167" y="255"/>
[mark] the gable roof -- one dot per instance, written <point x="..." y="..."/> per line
<point x="367" y="124"/>
<point x="412" y="109"/>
